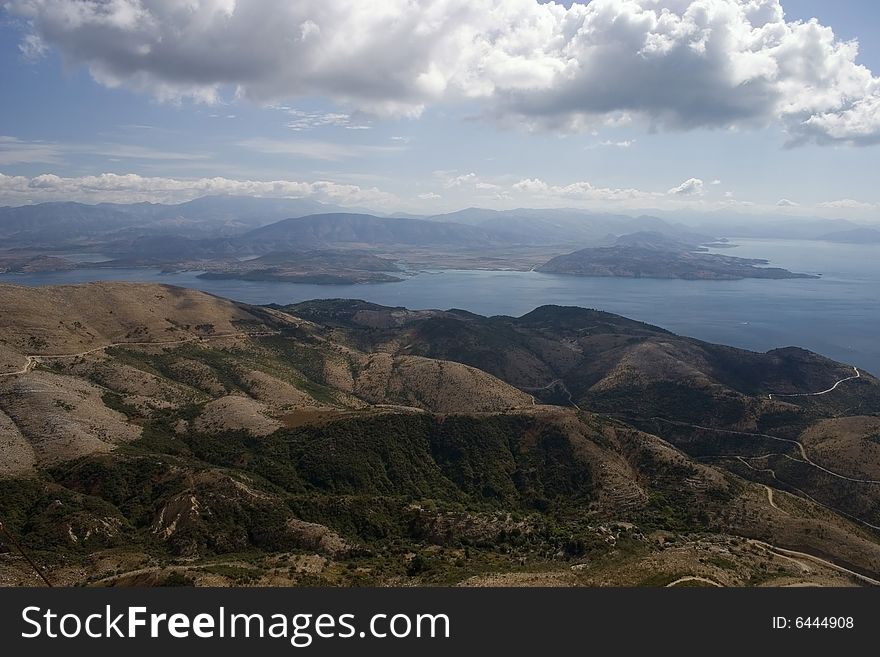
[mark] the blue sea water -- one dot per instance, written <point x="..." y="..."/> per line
<point x="837" y="315"/>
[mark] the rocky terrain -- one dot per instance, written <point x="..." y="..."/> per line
<point x="155" y="435"/>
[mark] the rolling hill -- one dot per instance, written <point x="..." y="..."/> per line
<point x="153" y="434"/>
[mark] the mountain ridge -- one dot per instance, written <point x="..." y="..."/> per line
<point x="331" y="441"/>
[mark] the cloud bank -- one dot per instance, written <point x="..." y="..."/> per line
<point x="132" y="188"/>
<point x="672" y="64"/>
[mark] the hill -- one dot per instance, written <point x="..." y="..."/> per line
<point x="152" y="434"/>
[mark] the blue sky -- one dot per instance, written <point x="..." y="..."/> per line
<point x="423" y="124"/>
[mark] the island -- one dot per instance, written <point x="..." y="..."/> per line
<point x="315" y="267"/>
<point x="27" y="264"/>
<point x="649" y="255"/>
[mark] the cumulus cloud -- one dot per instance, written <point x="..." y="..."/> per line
<point x="690" y="187"/>
<point x="130" y="188"/>
<point x="462" y="180"/>
<point x="429" y="196"/>
<point x="785" y="203"/>
<point x="674" y="64"/>
<point x="578" y="191"/>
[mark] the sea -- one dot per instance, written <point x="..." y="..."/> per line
<point x="837" y="314"/>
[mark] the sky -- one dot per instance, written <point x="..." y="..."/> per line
<point x="427" y="106"/>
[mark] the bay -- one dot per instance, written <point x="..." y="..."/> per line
<point x="837" y="315"/>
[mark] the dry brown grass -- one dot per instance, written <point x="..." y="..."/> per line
<point x="236" y="413"/>
<point x="435" y="385"/>
<point x="61" y="417"/>
<point x="74" y="318"/>
<point x="852" y="444"/>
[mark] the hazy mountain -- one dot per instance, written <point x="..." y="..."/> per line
<point x="248" y="209"/>
<point x="329" y="230"/>
<point x="562" y="226"/>
<point x="50" y="224"/>
<point x="57" y="224"/>
<point x="791" y="228"/>
<point x="854" y="236"/>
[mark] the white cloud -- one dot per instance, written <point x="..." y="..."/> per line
<point x="32" y="47"/>
<point x="715" y="182"/>
<point x="847" y="204"/>
<point x="785" y="203"/>
<point x="690" y="187"/>
<point x="577" y="191"/>
<point x="429" y="196"/>
<point x="462" y="180"/>
<point x="482" y="185"/>
<point x="624" y="143"/>
<point x="129" y="151"/>
<point x="303" y="120"/>
<point x="17" y="151"/>
<point x="131" y="188"/>
<point x="675" y="64"/>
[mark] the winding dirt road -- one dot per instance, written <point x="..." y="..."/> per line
<point x="694" y="578"/>
<point x="801" y="450"/>
<point x="29" y="365"/>
<point x="770" y="498"/>
<point x="794" y="554"/>
<point x="550" y="385"/>
<point x="857" y="375"/>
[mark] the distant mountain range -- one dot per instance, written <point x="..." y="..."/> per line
<point x="221" y="217"/>
<point x="560" y="226"/>
<point x="224" y="227"/>
<point x="63" y="224"/>
<point x="325" y="230"/>
<point x="52" y="224"/>
<point x="214" y="233"/>
<point x="854" y="236"/>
